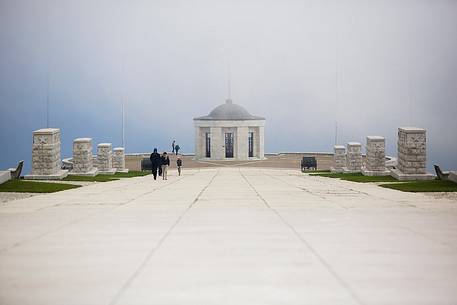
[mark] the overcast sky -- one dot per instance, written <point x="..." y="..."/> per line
<point x="370" y="66"/>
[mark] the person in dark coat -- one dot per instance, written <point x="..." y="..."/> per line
<point x="177" y="148"/>
<point x="179" y="164"/>
<point x="165" y="161"/>
<point x="155" y="161"/>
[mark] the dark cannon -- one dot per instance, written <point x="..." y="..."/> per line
<point x="308" y="163"/>
<point x="146" y="164"/>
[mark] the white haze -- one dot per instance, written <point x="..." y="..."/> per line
<point x="370" y="66"/>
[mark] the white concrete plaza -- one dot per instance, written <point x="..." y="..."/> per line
<point x="229" y="236"/>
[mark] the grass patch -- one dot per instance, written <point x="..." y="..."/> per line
<point x="131" y="174"/>
<point x="106" y="178"/>
<point x="356" y="177"/>
<point x="98" y="178"/>
<point x="23" y="186"/>
<point x="423" y="186"/>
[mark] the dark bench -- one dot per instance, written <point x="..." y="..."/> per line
<point x="307" y="163"/>
<point x="16" y="172"/>
<point x="146" y="164"/>
<point x="440" y="174"/>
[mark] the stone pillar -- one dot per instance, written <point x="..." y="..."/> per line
<point x="82" y="158"/>
<point x="411" y="155"/>
<point x="217" y="143"/>
<point x="375" y="163"/>
<point x="261" y="145"/>
<point x="339" y="159"/>
<point x="105" y="159"/>
<point x="353" y="157"/>
<point x="242" y="143"/>
<point x="46" y="155"/>
<point x="119" y="160"/>
<point x="199" y="137"/>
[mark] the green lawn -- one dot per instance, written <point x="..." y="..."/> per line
<point x="98" y="178"/>
<point x="131" y="174"/>
<point x="106" y="178"/>
<point x="23" y="186"/>
<point x="423" y="186"/>
<point x="356" y="177"/>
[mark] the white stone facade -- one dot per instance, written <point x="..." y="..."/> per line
<point x="119" y="159"/>
<point x="353" y="157"/>
<point x="339" y="159"/>
<point x="412" y="154"/>
<point x="375" y="162"/>
<point x="229" y="132"/>
<point x="82" y="157"/>
<point x="46" y="162"/>
<point x="105" y="158"/>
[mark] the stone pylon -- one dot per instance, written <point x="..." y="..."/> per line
<point x="46" y="162"/>
<point x="375" y="163"/>
<point x="339" y="159"/>
<point x="353" y="157"/>
<point x="82" y="158"/>
<point x="412" y="155"/>
<point x="119" y="160"/>
<point x="105" y="159"/>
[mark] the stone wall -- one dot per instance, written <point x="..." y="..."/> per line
<point x="82" y="155"/>
<point x="354" y="156"/>
<point x="411" y="150"/>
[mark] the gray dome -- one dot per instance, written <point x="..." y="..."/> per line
<point x="229" y="111"/>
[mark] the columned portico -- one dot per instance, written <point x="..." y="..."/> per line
<point x="229" y="132"/>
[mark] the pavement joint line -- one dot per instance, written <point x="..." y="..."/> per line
<point x="308" y="245"/>
<point x="157" y="246"/>
<point x="75" y="221"/>
<point x="309" y="192"/>
<point x="401" y="202"/>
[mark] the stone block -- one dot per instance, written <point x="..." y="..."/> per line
<point x="105" y="159"/>
<point x="375" y="162"/>
<point x="82" y="158"/>
<point x="339" y="158"/>
<point x="412" y="154"/>
<point x="353" y="157"/>
<point x="46" y="162"/>
<point x="119" y="160"/>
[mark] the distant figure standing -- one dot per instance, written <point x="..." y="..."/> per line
<point x="165" y="161"/>
<point x="177" y="148"/>
<point x="179" y="164"/>
<point x="155" y="161"/>
<point x="173" y="146"/>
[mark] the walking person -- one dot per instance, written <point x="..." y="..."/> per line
<point x="155" y="161"/>
<point x="179" y="164"/>
<point x="177" y="148"/>
<point x="173" y="146"/>
<point x="165" y="161"/>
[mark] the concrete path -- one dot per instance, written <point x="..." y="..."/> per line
<point x="229" y="236"/>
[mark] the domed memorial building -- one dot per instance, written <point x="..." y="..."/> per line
<point x="229" y="132"/>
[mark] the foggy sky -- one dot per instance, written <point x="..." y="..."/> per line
<point x="370" y="66"/>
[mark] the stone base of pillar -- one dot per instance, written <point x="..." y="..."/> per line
<point x="56" y="176"/>
<point x="366" y="172"/>
<point x="336" y="170"/>
<point x="350" y="171"/>
<point x="397" y="174"/>
<point x="453" y="176"/>
<point x="108" y="172"/>
<point x="124" y="171"/>
<point x="92" y="173"/>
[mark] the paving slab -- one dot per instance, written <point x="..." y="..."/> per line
<point x="229" y="236"/>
